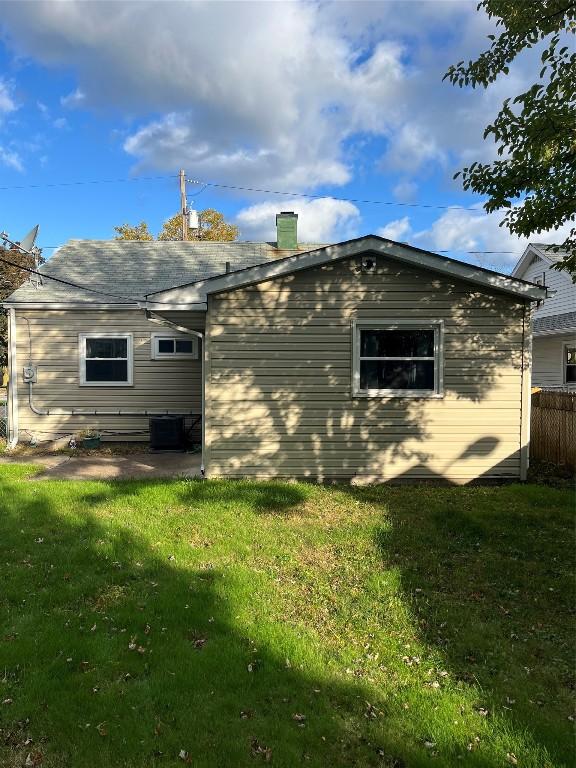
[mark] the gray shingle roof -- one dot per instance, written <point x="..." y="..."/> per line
<point x="555" y="323"/>
<point x="131" y="269"/>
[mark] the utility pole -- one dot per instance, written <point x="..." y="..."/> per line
<point x="183" y="205"/>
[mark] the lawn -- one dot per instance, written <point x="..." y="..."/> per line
<point x="238" y="624"/>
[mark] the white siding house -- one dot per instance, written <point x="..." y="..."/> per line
<point x="554" y="319"/>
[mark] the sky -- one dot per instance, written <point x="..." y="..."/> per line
<point x="101" y="104"/>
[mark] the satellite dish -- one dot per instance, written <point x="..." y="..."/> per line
<point x="28" y="242"/>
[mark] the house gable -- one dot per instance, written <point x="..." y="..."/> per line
<point x="370" y="245"/>
<point x="537" y="265"/>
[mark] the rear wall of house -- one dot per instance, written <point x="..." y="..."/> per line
<point x="173" y="385"/>
<point x="279" y="390"/>
<point x="548" y="360"/>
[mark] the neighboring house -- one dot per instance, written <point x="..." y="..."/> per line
<point x="367" y="359"/>
<point x="554" y="320"/>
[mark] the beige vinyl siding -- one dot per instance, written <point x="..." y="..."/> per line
<point x="173" y="385"/>
<point x="279" y="399"/>
<point x="548" y="360"/>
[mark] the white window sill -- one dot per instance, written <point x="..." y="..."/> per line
<point x="106" y="384"/>
<point x="396" y="394"/>
<point x="169" y="356"/>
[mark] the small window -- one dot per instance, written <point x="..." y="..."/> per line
<point x="400" y="359"/>
<point x="106" y="359"/>
<point x="570" y="364"/>
<point x="165" y="346"/>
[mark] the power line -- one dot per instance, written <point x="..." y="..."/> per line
<point x="332" y="197"/>
<point x="92" y="181"/>
<point x="216" y="185"/>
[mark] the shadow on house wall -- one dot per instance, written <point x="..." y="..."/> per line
<point x="280" y="389"/>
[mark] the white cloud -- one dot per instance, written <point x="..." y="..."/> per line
<point x="395" y="230"/>
<point x="61" y="123"/>
<point x="73" y="99"/>
<point x="319" y="221"/>
<point x="474" y="230"/>
<point x="270" y="94"/>
<point x="264" y="93"/>
<point x="7" y="103"/>
<point x="413" y="147"/>
<point x="11" y="159"/>
<point x="405" y="191"/>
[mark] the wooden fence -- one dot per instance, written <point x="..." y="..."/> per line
<point x="553" y="427"/>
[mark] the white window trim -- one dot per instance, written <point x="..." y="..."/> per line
<point x="104" y="334"/>
<point x="436" y="326"/>
<point x="156" y="355"/>
<point x="565" y="382"/>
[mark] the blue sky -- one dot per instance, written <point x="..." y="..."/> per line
<point x="330" y="99"/>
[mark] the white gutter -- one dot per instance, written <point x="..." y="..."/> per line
<point x="12" y="413"/>
<point x="87" y="307"/>
<point x="182" y="329"/>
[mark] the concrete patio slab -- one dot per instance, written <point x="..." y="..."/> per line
<point x="138" y="465"/>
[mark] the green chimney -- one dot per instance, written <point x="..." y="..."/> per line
<point x="287" y="230"/>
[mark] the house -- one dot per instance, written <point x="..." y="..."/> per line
<point x="368" y="360"/>
<point x="554" y="320"/>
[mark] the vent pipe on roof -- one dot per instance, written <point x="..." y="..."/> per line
<point x="287" y="230"/>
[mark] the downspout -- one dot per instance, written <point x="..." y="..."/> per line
<point x="12" y="412"/>
<point x="526" y="389"/>
<point x="159" y="320"/>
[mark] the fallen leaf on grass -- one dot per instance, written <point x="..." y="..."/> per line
<point x="259" y="750"/>
<point x="198" y="641"/>
<point x="371" y="713"/>
<point x="300" y="719"/>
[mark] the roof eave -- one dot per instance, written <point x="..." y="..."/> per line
<point x="197" y="292"/>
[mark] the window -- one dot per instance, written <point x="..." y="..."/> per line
<point x="173" y="347"/>
<point x="569" y="363"/>
<point x="106" y="359"/>
<point x="401" y="359"/>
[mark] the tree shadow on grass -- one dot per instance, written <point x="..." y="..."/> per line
<point x="487" y="574"/>
<point x="269" y="496"/>
<point x="114" y="655"/>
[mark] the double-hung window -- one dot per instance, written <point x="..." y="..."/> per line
<point x="166" y="346"/>
<point x="106" y="359"/>
<point x="397" y="358"/>
<point x="569" y="363"/>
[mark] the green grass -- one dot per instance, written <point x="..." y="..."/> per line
<point x="402" y="626"/>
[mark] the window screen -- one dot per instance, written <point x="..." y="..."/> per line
<point x="171" y="346"/>
<point x="106" y="360"/>
<point x="397" y="359"/>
